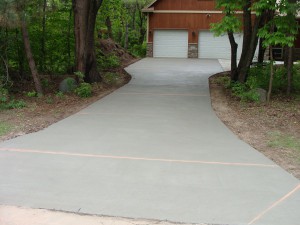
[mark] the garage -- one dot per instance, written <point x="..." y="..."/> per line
<point x="211" y="47"/>
<point x="170" y="43"/>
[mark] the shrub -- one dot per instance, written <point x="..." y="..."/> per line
<point x="139" y="50"/>
<point x="32" y="94"/>
<point x="110" y="78"/>
<point x="244" y="92"/>
<point x="59" y="94"/>
<point x="3" y="95"/>
<point x="108" y="61"/>
<point x="84" y="90"/>
<point x="13" y="104"/>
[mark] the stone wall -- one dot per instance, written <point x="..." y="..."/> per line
<point x="149" y="49"/>
<point x="193" y="51"/>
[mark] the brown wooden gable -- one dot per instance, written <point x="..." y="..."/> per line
<point x="183" y="5"/>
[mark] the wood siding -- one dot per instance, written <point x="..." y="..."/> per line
<point x="185" y="5"/>
<point x="191" y="22"/>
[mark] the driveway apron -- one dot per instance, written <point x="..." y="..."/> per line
<point x="153" y="149"/>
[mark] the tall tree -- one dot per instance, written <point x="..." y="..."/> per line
<point x="85" y="14"/>
<point x="284" y="20"/>
<point x="230" y="24"/>
<point x="15" y="12"/>
<point x="250" y="26"/>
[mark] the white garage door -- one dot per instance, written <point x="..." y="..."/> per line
<point x="170" y="43"/>
<point x="212" y="47"/>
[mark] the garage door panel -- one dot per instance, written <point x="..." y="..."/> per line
<point x="217" y="47"/>
<point x="212" y="47"/>
<point x="170" y="43"/>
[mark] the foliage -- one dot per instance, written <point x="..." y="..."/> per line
<point x="259" y="77"/>
<point x="84" y="90"/>
<point x="71" y="83"/>
<point x="13" y="104"/>
<point x="110" y="78"/>
<point x="139" y="50"/>
<point x="108" y="61"/>
<point x="128" y="23"/>
<point x="3" y="95"/>
<point x="32" y="94"/>
<point x="59" y="94"/>
<point x="244" y="92"/>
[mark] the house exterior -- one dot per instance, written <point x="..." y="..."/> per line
<point x="181" y="28"/>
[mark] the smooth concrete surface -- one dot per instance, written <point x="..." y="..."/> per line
<point x="153" y="149"/>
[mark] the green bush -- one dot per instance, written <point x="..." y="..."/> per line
<point x="13" y="104"/>
<point x="60" y="94"/>
<point x="259" y="77"/>
<point x="111" y="78"/>
<point x="3" y="95"/>
<point x="108" y="62"/>
<point x="139" y="50"/>
<point x="32" y="94"/>
<point x="84" y="90"/>
<point x="244" y="92"/>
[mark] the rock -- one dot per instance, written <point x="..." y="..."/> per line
<point x="262" y="94"/>
<point x="68" y="85"/>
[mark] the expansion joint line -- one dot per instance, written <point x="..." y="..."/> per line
<point x="284" y="198"/>
<point x="137" y="158"/>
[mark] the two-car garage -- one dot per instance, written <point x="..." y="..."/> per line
<point x="174" y="43"/>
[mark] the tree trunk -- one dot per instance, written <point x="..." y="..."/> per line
<point x="289" y="67"/>
<point x="69" y="70"/>
<point x="250" y="41"/>
<point x="261" y="52"/>
<point x="85" y="13"/>
<point x="43" y="37"/>
<point x="109" y="27"/>
<point x="142" y="19"/>
<point x="271" y="75"/>
<point x="30" y="58"/>
<point x="234" y="47"/>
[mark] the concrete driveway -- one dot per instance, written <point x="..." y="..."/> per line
<point x="153" y="149"/>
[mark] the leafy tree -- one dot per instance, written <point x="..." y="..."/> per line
<point x="281" y="30"/>
<point x="14" y="12"/>
<point x="230" y="24"/>
<point x="250" y="27"/>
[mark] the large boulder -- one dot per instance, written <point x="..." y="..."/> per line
<point x="68" y="85"/>
<point x="262" y="94"/>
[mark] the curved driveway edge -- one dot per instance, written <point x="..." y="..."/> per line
<point x="153" y="149"/>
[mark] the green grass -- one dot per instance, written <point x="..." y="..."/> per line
<point x="279" y="140"/>
<point x="4" y="128"/>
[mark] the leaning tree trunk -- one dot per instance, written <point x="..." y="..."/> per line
<point x="30" y="58"/>
<point x="85" y="13"/>
<point x="234" y="47"/>
<point x="250" y="41"/>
